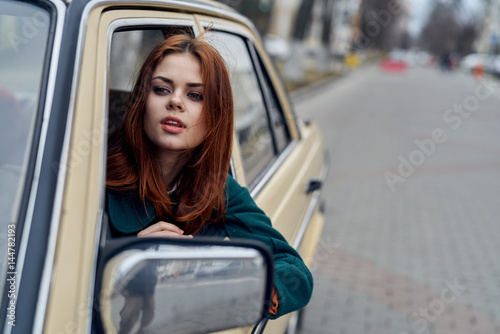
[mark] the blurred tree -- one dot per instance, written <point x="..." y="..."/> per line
<point x="467" y="37"/>
<point x="450" y="29"/>
<point x="303" y="19"/>
<point x="380" y="24"/>
<point x="440" y="33"/>
<point x="323" y="60"/>
<point x="326" y="32"/>
<point x="258" y="11"/>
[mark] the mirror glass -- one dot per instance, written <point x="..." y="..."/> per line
<point x="183" y="289"/>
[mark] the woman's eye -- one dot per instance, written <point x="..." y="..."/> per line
<point x="195" y="96"/>
<point x="161" y="90"/>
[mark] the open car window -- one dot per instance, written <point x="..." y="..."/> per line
<point x="259" y="123"/>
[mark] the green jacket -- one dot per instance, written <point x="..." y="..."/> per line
<point x="244" y="220"/>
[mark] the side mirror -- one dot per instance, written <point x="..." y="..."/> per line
<point x="184" y="286"/>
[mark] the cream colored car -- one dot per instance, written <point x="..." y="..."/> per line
<point x="66" y="73"/>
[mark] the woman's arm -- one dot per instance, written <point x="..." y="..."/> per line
<point x="293" y="281"/>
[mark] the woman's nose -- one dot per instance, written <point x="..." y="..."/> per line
<point x="176" y="102"/>
<point x="174" y="106"/>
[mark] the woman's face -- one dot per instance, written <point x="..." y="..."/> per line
<point x="173" y="119"/>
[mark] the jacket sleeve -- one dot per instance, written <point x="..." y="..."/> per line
<point x="245" y="220"/>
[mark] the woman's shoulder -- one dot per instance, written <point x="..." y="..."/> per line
<point x="236" y="193"/>
<point x="239" y="201"/>
<point x="232" y="185"/>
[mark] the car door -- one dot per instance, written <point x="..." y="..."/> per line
<point x="111" y="43"/>
<point x="280" y="159"/>
<point x="276" y="159"/>
<point x="97" y="90"/>
<point x="272" y="156"/>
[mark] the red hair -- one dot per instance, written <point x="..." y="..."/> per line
<point x="132" y="164"/>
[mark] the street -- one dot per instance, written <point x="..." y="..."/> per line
<point x="412" y="230"/>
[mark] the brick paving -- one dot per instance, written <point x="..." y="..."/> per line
<point x="421" y="259"/>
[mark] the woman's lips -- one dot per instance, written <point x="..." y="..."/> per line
<point x="172" y="124"/>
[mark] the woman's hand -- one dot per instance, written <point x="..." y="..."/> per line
<point x="163" y="229"/>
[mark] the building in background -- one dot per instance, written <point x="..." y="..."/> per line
<point x="258" y="11"/>
<point x="490" y="37"/>
<point x="345" y="19"/>
<point x="282" y="17"/>
<point x="346" y="22"/>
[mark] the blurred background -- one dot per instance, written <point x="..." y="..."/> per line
<point x="311" y="39"/>
<point x="407" y="94"/>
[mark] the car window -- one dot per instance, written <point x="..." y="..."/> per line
<point x="24" y="31"/>
<point x="278" y="121"/>
<point x="251" y="121"/>
<point x="129" y="48"/>
<point x="259" y="123"/>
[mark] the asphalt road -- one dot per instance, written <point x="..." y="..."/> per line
<point x="412" y="231"/>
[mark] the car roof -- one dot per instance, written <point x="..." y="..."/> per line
<point x="206" y="7"/>
<point x="214" y="5"/>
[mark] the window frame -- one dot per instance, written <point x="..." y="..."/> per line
<point x="264" y="82"/>
<point x="245" y="42"/>
<point x="266" y="88"/>
<point x="263" y="78"/>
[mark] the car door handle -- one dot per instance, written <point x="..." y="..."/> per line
<point x="313" y="185"/>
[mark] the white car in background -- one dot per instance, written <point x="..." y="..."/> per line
<point x="472" y="60"/>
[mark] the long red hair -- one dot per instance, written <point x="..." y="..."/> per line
<point x="132" y="164"/>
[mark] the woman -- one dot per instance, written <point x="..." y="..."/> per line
<point x="168" y="163"/>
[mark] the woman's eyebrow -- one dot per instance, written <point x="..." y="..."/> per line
<point x="167" y="80"/>
<point x="194" y="84"/>
<point x="170" y="81"/>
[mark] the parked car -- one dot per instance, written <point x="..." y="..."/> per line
<point x="492" y="64"/>
<point x="469" y="62"/>
<point x="67" y="70"/>
<point x="395" y="61"/>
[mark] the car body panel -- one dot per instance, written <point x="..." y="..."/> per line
<point x="76" y="241"/>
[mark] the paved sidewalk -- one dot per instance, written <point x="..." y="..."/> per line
<point x="421" y="259"/>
